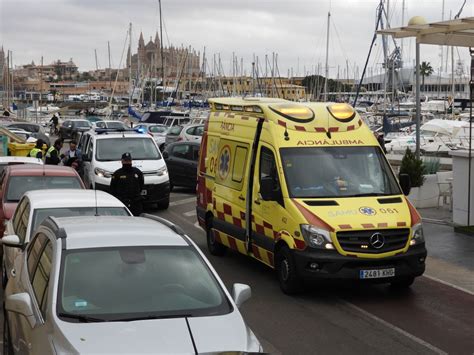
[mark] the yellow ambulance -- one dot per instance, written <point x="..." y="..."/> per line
<point x="306" y="189"/>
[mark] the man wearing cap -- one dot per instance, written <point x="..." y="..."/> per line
<point x="127" y="184"/>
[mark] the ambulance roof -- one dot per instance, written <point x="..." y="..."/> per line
<point x="299" y="116"/>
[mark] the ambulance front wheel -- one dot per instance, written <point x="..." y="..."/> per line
<point x="213" y="246"/>
<point x="290" y="282"/>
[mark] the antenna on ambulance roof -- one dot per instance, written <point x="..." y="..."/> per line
<point x="287" y="137"/>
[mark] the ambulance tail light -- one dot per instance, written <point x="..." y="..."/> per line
<point x="341" y="112"/>
<point x="316" y="237"/>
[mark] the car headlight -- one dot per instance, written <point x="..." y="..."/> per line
<point x="162" y="171"/>
<point x="316" y="237"/>
<point x="103" y="173"/>
<point x="418" y="237"/>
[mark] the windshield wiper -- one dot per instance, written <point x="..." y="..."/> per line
<point x="81" y="317"/>
<point x="131" y="319"/>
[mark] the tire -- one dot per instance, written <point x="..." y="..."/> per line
<point x="290" y="282"/>
<point x="7" y="343"/>
<point x="164" y="204"/>
<point x="171" y="187"/>
<point x="402" y="283"/>
<point x="213" y="246"/>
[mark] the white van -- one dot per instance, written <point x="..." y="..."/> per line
<point x="102" y="151"/>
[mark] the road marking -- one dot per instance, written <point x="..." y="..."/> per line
<point x="197" y="226"/>
<point x="449" y="284"/>
<point x="190" y="213"/>
<point x="183" y="201"/>
<point x="394" y="328"/>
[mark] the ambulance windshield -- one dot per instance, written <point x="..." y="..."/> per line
<point x="337" y="172"/>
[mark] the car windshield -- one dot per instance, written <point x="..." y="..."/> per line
<point x="18" y="185"/>
<point x="140" y="148"/>
<point x="116" y="125"/>
<point x="337" y="172"/>
<point x="158" y="129"/>
<point x="137" y="283"/>
<point x="40" y="214"/>
<point x="82" y="123"/>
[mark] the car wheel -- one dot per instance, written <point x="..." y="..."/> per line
<point x="163" y="205"/>
<point x="171" y="187"/>
<point x="214" y="247"/>
<point x="7" y="342"/>
<point x="290" y="282"/>
<point x="402" y="283"/>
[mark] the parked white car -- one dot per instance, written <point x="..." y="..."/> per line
<point x="95" y="285"/>
<point x="13" y="160"/>
<point x="101" y="156"/>
<point x="191" y="133"/>
<point x="36" y="205"/>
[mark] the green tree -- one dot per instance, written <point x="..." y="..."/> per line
<point x="425" y="71"/>
<point x="413" y="167"/>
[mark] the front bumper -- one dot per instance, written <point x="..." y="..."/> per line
<point x="334" y="266"/>
<point x="155" y="192"/>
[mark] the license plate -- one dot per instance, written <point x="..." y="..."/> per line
<point x="376" y="274"/>
<point x="144" y="192"/>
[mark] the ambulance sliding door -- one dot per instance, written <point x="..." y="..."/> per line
<point x="229" y="194"/>
<point x="266" y="215"/>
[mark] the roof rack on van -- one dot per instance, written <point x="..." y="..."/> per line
<point x="170" y="225"/>
<point x="114" y="130"/>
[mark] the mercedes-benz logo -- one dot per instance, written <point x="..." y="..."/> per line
<point x="377" y="240"/>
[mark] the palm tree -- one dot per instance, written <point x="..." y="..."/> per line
<point x="425" y="70"/>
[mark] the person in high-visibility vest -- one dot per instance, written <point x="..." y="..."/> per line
<point x="53" y="156"/>
<point x="37" y="151"/>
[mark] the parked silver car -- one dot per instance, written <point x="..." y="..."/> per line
<point x="119" y="285"/>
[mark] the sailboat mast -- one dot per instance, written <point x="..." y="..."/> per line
<point x="110" y="68"/>
<point x="327" y="58"/>
<point x="163" y="81"/>
<point x="130" y="64"/>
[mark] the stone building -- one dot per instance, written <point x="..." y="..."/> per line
<point x="147" y="60"/>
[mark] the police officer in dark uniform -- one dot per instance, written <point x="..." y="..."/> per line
<point x="127" y="184"/>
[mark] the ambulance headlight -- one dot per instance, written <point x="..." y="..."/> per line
<point x="102" y="173"/>
<point x="418" y="236"/>
<point x="162" y="171"/>
<point x="316" y="238"/>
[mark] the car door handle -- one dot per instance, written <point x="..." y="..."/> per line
<point x="241" y="198"/>
<point x="257" y="202"/>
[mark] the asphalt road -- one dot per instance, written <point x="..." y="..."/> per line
<point x="431" y="317"/>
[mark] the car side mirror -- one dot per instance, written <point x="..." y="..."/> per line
<point x="405" y="183"/>
<point x="267" y="189"/>
<point x="165" y="154"/>
<point x="21" y="303"/>
<point x="241" y="293"/>
<point x="12" y="240"/>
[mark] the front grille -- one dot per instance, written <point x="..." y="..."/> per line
<point x="359" y="241"/>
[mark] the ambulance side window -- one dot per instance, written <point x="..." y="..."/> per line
<point x="240" y="160"/>
<point x="268" y="169"/>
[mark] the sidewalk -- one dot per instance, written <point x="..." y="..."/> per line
<point x="441" y="215"/>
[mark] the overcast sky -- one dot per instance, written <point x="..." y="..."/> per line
<point x="295" y="29"/>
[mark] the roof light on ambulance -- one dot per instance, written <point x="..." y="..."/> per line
<point x="341" y="112"/>
<point x="293" y="112"/>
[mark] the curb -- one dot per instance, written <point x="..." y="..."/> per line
<point x="438" y="221"/>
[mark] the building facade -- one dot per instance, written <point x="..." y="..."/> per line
<point x="147" y="61"/>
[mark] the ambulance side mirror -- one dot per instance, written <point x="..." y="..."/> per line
<point x="165" y="154"/>
<point x="405" y="183"/>
<point x="267" y="189"/>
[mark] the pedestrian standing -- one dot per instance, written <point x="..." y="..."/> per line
<point x="127" y="185"/>
<point x="37" y="151"/>
<point x="53" y="156"/>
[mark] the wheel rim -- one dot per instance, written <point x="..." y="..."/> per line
<point x="284" y="269"/>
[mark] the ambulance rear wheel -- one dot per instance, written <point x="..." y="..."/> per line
<point x="214" y="247"/>
<point x="290" y="282"/>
